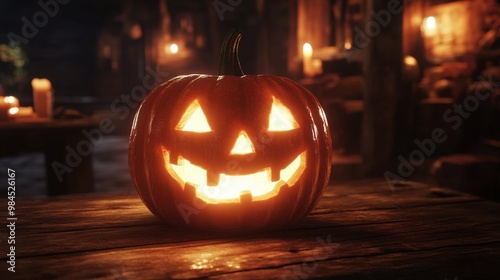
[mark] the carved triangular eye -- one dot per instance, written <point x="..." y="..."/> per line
<point x="280" y="118"/>
<point x="194" y="119"/>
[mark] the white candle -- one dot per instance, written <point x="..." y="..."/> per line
<point x="317" y="65"/>
<point x="307" y="52"/>
<point x="13" y="101"/>
<point x="42" y="97"/>
<point x="21" y="112"/>
<point x="7" y="102"/>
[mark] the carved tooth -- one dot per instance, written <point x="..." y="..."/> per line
<point x="181" y="160"/>
<point x="213" y="178"/>
<point x="283" y="188"/>
<point x="246" y="197"/>
<point x="275" y="174"/>
<point x="174" y="159"/>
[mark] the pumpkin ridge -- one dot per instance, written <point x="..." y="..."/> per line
<point x="156" y="102"/>
<point x="325" y="154"/>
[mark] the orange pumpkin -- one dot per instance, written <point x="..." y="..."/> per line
<point x="230" y="152"/>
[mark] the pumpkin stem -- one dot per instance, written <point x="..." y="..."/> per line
<point x="229" y="63"/>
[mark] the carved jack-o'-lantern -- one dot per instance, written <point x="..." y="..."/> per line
<point x="230" y="152"/>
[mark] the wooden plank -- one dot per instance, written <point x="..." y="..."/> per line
<point x="293" y="50"/>
<point x="440" y="264"/>
<point x="76" y="214"/>
<point x="72" y="213"/>
<point x="374" y="232"/>
<point x="87" y="202"/>
<point x="417" y="246"/>
<point x="120" y="224"/>
<point x="37" y="244"/>
<point x="86" y="212"/>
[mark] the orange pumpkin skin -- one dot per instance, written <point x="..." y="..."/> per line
<point x="230" y="104"/>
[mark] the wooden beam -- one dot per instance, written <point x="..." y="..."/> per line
<point x="293" y="65"/>
<point x="382" y="68"/>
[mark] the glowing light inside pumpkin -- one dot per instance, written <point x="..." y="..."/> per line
<point x="194" y="119"/>
<point x="257" y="186"/>
<point x="281" y="119"/>
<point x="243" y="145"/>
<point x="231" y="187"/>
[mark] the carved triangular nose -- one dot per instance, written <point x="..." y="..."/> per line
<point x="243" y="145"/>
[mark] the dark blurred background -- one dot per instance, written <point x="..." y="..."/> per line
<point x="386" y="73"/>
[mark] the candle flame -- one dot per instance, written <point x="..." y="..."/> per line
<point x="430" y="23"/>
<point x="174" y="48"/>
<point x="410" y="61"/>
<point x="13" y="110"/>
<point x="307" y="48"/>
<point x="9" y="99"/>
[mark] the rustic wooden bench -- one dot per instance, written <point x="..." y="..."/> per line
<point x="55" y="138"/>
<point x="360" y="230"/>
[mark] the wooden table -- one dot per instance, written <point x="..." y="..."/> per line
<point x="54" y="138"/>
<point x="360" y="230"/>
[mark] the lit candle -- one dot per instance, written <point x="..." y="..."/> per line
<point x="317" y="65"/>
<point x="429" y="26"/>
<point x="42" y="97"/>
<point x="7" y="102"/>
<point x="347" y="45"/>
<point x="174" y="48"/>
<point x="21" y="112"/>
<point x="171" y="49"/>
<point x="307" y="52"/>
<point x="13" y="101"/>
<point x="411" y="71"/>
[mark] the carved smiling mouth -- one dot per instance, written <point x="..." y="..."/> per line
<point x="233" y="188"/>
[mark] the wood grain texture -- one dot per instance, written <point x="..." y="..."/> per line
<point x="360" y="230"/>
